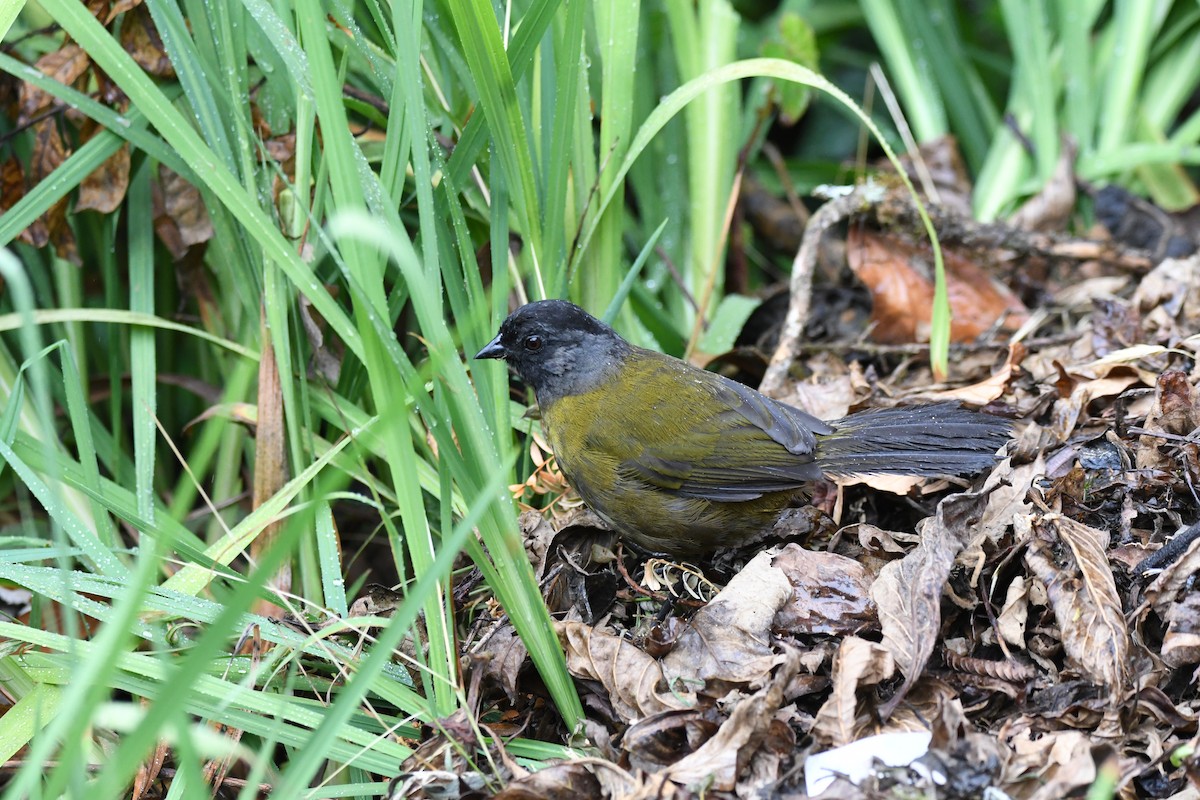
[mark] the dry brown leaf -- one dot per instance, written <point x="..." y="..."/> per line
<point x="661" y="739"/>
<point x="989" y="389"/>
<point x="858" y="662"/>
<point x="895" y="484"/>
<point x="729" y="640"/>
<point x="569" y="779"/>
<point x="49" y="150"/>
<point x="1068" y="408"/>
<point x="104" y="189"/>
<point x="718" y="762"/>
<point x="180" y="218"/>
<point x="1008" y="487"/>
<point x="1181" y="643"/>
<point x="1082" y="293"/>
<point x="500" y="657"/>
<point x="1049" y="209"/>
<point x="140" y="38"/>
<point x="1169" y="300"/>
<point x="119" y="7"/>
<point x="65" y="65"/>
<point x="1174" y="413"/>
<point x="874" y="539"/>
<point x="900" y="278"/>
<point x="908" y="592"/>
<point x="1116" y="325"/>
<point x="941" y="160"/>
<point x="1163" y="591"/>
<point x="1012" y="617"/>
<point x="270" y="464"/>
<point x="631" y="678"/>
<point x="436" y="783"/>
<point x="327" y="354"/>
<point x="830" y="593"/>
<point x="823" y="397"/>
<point x="1060" y="760"/>
<point x="149" y="771"/>
<point x="1071" y="560"/>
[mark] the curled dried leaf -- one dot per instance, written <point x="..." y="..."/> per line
<point x="908" y="592"/>
<point x="857" y="663"/>
<point x="729" y="640"/>
<point x="1071" y="560"/>
<point x="720" y="761"/>
<point x="632" y="679"/>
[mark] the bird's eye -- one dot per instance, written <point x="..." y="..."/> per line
<point x="533" y="342"/>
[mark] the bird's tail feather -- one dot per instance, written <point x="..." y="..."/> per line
<point x="922" y="440"/>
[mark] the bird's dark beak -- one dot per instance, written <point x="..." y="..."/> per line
<point x="493" y="350"/>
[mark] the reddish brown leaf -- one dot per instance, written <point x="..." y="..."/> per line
<point x="900" y="278"/>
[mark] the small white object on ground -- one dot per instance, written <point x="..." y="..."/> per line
<point x="857" y="759"/>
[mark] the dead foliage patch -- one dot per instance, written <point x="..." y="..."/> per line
<point x="1019" y="634"/>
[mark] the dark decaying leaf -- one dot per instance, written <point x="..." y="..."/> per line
<point x="65" y="65"/>
<point x="572" y="779"/>
<point x="1164" y="589"/>
<point x="1175" y="414"/>
<point x="664" y="738"/>
<point x="180" y="218"/>
<point x="141" y="40"/>
<point x="830" y="593"/>
<point x="1070" y="559"/>
<point x="436" y="784"/>
<point x="499" y="656"/>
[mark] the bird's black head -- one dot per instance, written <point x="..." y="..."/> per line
<point x="557" y="348"/>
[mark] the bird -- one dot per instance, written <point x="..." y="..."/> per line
<point x="681" y="460"/>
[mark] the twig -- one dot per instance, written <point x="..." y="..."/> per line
<point x="803" y="266"/>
